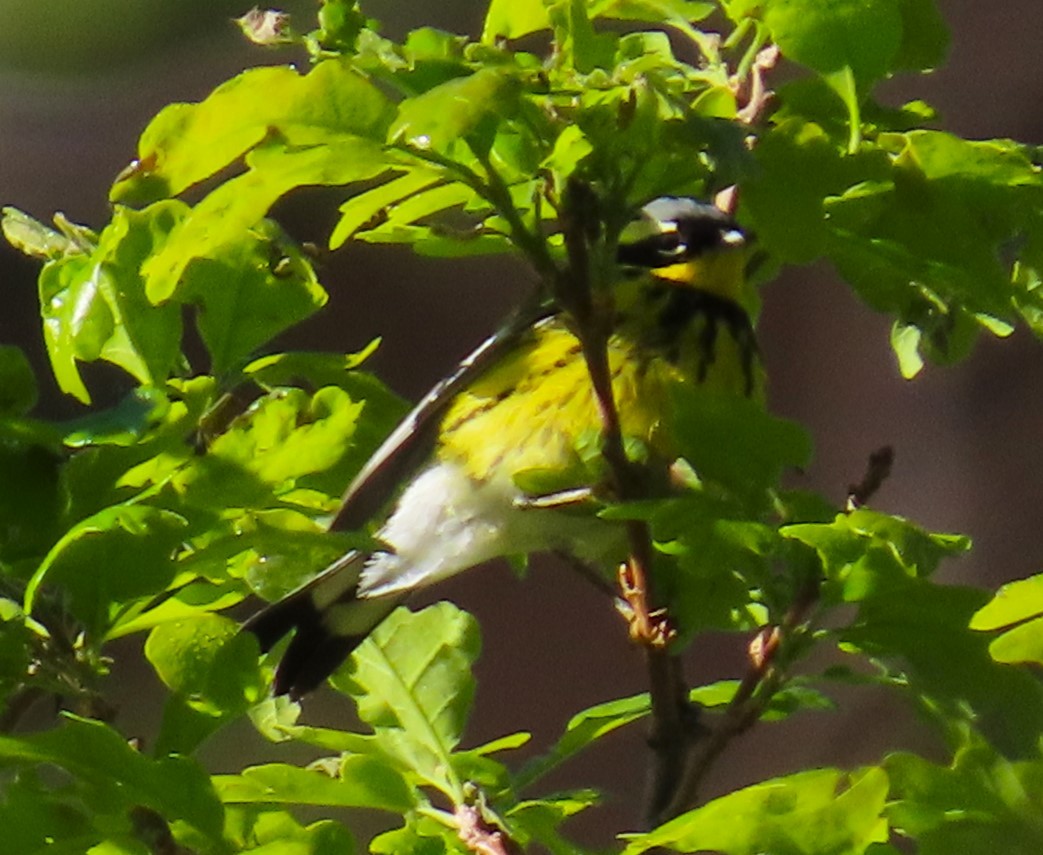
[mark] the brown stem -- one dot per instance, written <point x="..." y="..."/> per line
<point x="877" y="471"/>
<point x="755" y="87"/>
<point x="672" y="730"/>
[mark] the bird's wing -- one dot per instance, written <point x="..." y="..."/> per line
<point x="408" y="444"/>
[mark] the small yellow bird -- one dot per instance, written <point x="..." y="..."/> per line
<point x="520" y="406"/>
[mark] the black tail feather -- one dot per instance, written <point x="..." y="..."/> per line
<point x="313" y="654"/>
<point x="322" y="637"/>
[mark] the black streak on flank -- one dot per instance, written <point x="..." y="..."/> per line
<point x="684" y="307"/>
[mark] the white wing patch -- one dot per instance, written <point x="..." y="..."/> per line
<point x="445" y="522"/>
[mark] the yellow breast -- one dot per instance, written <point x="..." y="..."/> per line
<point x="533" y="409"/>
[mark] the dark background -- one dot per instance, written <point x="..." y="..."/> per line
<point x="78" y="82"/>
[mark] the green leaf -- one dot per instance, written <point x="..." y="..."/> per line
<point x="735" y="442"/>
<point x="979" y="805"/>
<point x="799" y="164"/>
<point x="925" y="627"/>
<point x="895" y="239"/>
<point x="312" y="368"/>
<point x="860" y="35"/>
<point x="207" y="661"/>
<point x="459" y="109"/>
<point x="31" y="501"/>
<point x="189" y="601"/>
<point x="365" y="208"/>
<point x="1013" y="603"/>
<point x="866" y="552"/>
<point x="33" y="238"/>
<point x="654" y="11"/>
<point x="1021" y="644"/>
<point x="925" y="37"/>
<point x="186" y="143"/>
<point x="249" y="292"/>
<point x="260" y="830"/>
<point x="718" y="560"/>
<point x="118" y="775"/>
<point x="340" y="22"/>
<point x="512" y="19"/>
<point x="415" y="838"/>
<point x="95" y="307"/>
<point x="114" y="556"/>
<point x="590" y="725"/>
<point x="536" y="821"/>
<point x="906" y="341"/>
<point x="227" y="224"/>
<point x="38" y="819"/>
<point x="283" y="437"/>
<point x="128" y="422"/>
<point x="413" y="684"/>
<point x="578" y="46"/>
<point x="1017" y="608"/>
<point x="583" y="729"/>
<point x="821" y="812"/>
<point x="362" y="782"/>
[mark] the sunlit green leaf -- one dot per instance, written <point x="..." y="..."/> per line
<point x="822" y="812"/>
<point x="362" y="782"/>
<point x="413" y="684"/>
<point x="340" y="22"/>
<point x="455" y="110"/>
<point x="95" y="307"/>
<point x="512" y="19"/>
<point x="249" y="292"/>
<point x="363" y="209"/>
<point x="205" y="659"/>
<point x="227" y="222"/>
<point x="109" y="558"/>
<point x="982" y="804"/>
<point x="32" y="237"/>
<point x="862" y="35"/>
<point x="1017" y="608"/>
<point x="583" y="729"/>
<point x="173" y="786"/>
<point x="186" y="143"/>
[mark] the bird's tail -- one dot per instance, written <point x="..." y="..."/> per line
<point x="329" y="621"/>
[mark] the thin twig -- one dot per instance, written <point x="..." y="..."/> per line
<point x="877" y="471"/>
<point x="754" y="86"/>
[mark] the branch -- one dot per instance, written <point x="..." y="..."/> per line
<point x="763" y="679"/>
<point x="877" y="471"/>
<point x="674" y="726"/>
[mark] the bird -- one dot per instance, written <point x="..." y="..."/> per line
<point x="450" y="488"/>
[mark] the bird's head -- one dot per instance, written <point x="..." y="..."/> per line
<point x="688" y="244"/>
